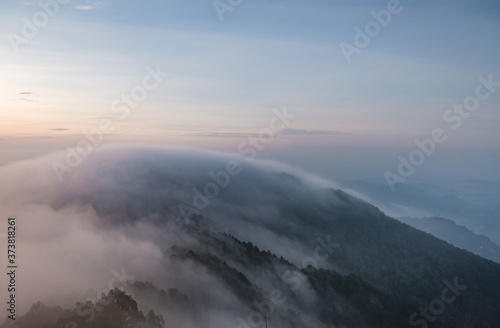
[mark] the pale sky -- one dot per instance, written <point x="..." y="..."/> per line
<point x="226" y="76"/>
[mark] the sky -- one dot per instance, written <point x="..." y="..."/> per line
<point x="222" y="67"/>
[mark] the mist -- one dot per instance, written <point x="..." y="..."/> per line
<point x="119" y="213"/>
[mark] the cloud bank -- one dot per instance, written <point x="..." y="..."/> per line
<point x="118" y="212"/>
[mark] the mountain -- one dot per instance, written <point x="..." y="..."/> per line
<point x="473" y="204"/>
<point x="203" y="239"/>
<point x="456" y="235"/>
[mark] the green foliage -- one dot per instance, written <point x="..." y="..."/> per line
<point x="115" y="310"/>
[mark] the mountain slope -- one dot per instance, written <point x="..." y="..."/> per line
<point x="272" y="237"/>
<point x="456" y="235"/>
<point x="473" y="204"/>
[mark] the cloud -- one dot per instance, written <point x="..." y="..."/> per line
<point x="59" y="129"/>
<point x="25" y="93"/>
<point x="240" y="135"/>
<point x="103" y="118"/>
<point x="300" y="132"/>
<point x="85" y="7"/>
<point x="120" y="209"/>
<point x="237" y="135"/>
<point x="91" y="6"/>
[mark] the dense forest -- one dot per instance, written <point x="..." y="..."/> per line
<point x="343" y="299"/>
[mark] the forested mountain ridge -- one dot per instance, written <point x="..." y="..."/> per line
<point x="275" y="243"/>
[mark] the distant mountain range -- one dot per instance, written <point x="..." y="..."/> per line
<point x="456" y="235"/>
<point x="473" y="204"/>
